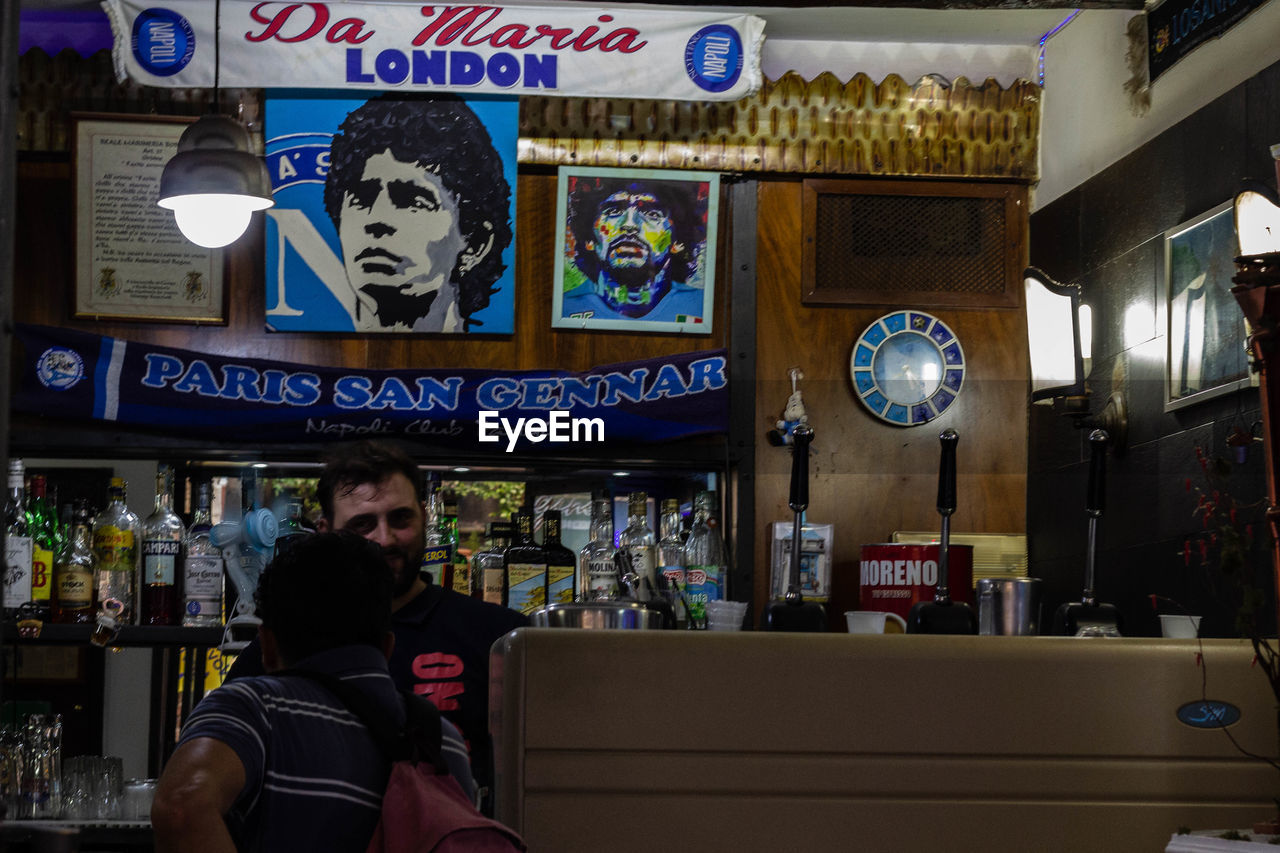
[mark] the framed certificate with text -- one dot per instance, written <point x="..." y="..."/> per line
<point x="132" y="262"/>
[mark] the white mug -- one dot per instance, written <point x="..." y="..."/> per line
<point x="874" y="622"/>
<point x="1179" y="625"/>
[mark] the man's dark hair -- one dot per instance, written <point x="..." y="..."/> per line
<point x="325" y="590"/>
<point x="350" y="466"/>
<point x="679" y="198"/>
<point x="443" y="135"/>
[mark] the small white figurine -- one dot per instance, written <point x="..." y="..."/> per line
<point x="793" y="415"/>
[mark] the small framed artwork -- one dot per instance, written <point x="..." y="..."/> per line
<point x="1204" y="330"/>
<point x="132" y="262"/>
<point x="636" y="250"/>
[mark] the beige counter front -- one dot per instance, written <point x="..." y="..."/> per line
<point x="709" y="741"/>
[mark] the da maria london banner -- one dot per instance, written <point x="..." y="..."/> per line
<point x="625" y="52"/>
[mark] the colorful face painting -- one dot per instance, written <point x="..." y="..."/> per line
<point x="637" y="250"/>
<point x="393" y="214"/>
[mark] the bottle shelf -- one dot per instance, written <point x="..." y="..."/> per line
<point x="130" y="635"/>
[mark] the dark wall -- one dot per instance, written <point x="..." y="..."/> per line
<point x="1107" y="235"/>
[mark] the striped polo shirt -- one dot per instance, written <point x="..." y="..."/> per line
<point x="314" y="778"/>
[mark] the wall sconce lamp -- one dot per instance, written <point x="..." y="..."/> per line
<point x="1257" y="292"/>
<point x="215" y="182"/>
<point x="1060" y="341"/>
<point x="1257" y="218"/>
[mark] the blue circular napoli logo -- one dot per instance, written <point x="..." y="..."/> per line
<point x="163" y="42"/>
<point x="59" y="368"/>
<point x="713" y="57"/>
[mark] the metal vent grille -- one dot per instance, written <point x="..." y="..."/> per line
<point x="898" y="244"/>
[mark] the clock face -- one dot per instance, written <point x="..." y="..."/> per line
<point x="907" y="368"/>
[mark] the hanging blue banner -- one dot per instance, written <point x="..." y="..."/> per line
<point x="80" y="376"/>
<point x="1176" y="27"/>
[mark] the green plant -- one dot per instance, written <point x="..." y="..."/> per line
<point x="1233" y="547"/>
<point x="508" y="494"/>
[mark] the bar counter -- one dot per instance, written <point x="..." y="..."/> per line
<point x="643" y="740"/>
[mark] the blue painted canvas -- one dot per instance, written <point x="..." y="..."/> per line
<point x="393" y="214"/>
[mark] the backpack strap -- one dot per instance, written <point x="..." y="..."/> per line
<point x="421" y="739"/>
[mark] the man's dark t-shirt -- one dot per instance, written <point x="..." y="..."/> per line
<point x="441" y="652"/>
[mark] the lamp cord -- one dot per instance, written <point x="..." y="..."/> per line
<point x="217" y="59"/>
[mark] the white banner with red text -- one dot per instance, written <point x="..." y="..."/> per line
<point x="509" y="49"/>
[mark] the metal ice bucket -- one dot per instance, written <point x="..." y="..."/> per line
<point x="1009" y="606"/>
<point x="597" y="614"/>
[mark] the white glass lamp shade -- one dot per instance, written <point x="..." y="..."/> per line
<point x="214" y="183"/>
<point x="1053" y="336"/>
<point x="1257" y="221"/>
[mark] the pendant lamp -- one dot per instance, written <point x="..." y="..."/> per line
<point x="215" y="182"/>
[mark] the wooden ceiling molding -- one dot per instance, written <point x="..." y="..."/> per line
<point x="933" y="128"/>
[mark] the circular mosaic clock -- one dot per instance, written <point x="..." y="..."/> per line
<point x="907" y="368"/>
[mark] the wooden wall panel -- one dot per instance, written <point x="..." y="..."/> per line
<point x="45" y="270"/>
<point x="866" y="477"/>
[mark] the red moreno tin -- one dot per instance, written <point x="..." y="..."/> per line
<point x="892" y="577"/>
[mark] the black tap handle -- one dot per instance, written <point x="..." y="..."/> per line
<point x="1097" y="472"/>
<point x="947" y="472"/>
<point x="801" y="437"/>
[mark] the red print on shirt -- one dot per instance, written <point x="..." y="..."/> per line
<point x="440" y="679"/>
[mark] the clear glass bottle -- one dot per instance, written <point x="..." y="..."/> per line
<point x="560" y="560"/>
<point x="488" y="565"/>
<point x="597" y="573"/>
<point x="162" y="535"/>
<point x="290" y="524"/>
<point x="73" y="572"/>
<point x="17" y="542"/>
<point x="202" y="567"/>
<point x="116" y="531"/>
<point x="460" y="571"/>
<point x="671" y="558"/>
<point x="525" y="566"/>
<point x="42" y="524"/>
<point x="706" y="567"/>
<point x="640" y="545"/>
<point x="437" y="559"/>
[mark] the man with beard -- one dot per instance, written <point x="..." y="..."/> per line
<point x="636" y="243"/>
<point x="442" y="638"/>
<point x="417" y="193"/>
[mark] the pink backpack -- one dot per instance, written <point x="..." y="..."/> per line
<point x="424" y="809"/>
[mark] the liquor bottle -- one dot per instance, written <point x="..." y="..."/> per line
<point x="162" y="535"/>
<point x="597" y="573"/>
<point x="73" y="571"/>
<point x="704" y="558"/>
<point x="488" y="565"/>
<point x="671" y="558"/>
<point x="290" y="524"/>
<point x="42" y="525"/>
<point x="461" y="569"/>
<point x="17" y="542"/>
<point x="437" y="559"/>
<point x="560" y="560"/>
<point x="115" y="545"/>
<point x="202" y="568"/>
<point x="641" y="546"/>
<point x="525" y="567"/>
